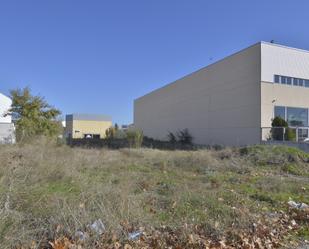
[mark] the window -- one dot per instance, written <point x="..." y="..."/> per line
<point x="286" y="80"/>
<point x="277" y="79"/>
<point x="295" y="81"/>
<point x="302" y="134"/>
<point x="283" y="80"/>
<point x="297" y="116"/>
<point x="300" y="82"/>
<point x="280" y="112"/>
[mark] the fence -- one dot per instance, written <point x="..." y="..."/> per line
<point x="289" y="134"/>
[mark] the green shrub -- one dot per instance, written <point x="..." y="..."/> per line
<point x="290" y="134"/>
<point x="281" y="130"/>
<point x="135" y="138"/>
<point x="277" y="132"/>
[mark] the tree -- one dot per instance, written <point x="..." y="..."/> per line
<point x="33" y="115"/>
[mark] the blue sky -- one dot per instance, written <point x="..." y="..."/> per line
<point x="97" y="56"/>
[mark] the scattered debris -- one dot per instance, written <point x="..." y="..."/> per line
<point x="267" y="231"/>
<point x="134" y="235"/>
<point x="300" y="206"/>
<point x="81" y="236"/>
<point x="98" y="227"/>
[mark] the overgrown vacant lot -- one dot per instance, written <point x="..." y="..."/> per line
<point x="232" y="198"/>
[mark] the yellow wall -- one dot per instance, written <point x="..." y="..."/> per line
<point x="87" y="127"/>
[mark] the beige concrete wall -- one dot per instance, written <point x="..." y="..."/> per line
<point x="280" y="95"/>
<point x="219" y="104"/>
<point x="87" y="127"/>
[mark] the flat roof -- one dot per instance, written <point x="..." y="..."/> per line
<point x="87" y="116"/>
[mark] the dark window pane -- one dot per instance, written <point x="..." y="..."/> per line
<point x="289" y="80"/>
<point x="280" y="112"/>
<point x="300" y="82"/>
<point x="302" y="134"/>
<point x="283" y="80"/>
<point x="307" y="83"/>
<point x="295" y="81"/>
<point x="277" y="79"/>
<point x="297" y="116"/>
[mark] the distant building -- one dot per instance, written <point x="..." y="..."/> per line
<point x="126" y="127"/>
<point x="7" y="129"/>
<point x="86" y="125"/>
<point x="233" y="101"/>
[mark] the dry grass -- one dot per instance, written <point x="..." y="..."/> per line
<point x="48" y="190"/>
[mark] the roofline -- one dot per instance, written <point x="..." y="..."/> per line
<point x="227" y="57"/>
<point x="6" y="96"/>
<point x="205" y="67"/>
<point x="284" y="46"/>
<point x="88" y="117"/>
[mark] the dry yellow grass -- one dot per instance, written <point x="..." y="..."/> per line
<point x="48" y="190"/>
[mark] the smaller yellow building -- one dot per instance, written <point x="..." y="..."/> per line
<point x="86" y="125"/>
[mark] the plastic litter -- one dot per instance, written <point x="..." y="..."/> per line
<point x="300" y="206"/>
<point x="134" y="235"/>
<point x="81" y="236"/>
<point x="98" y="227"/>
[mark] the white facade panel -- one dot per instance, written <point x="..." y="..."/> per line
<point x="5" y="105"/>
<point x="285" y="61"/>
<point x="7" y="133"/>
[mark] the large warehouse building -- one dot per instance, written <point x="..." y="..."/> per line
<point x="231" y="101"/>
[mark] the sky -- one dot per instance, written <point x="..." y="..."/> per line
<point x="97" y="56"/>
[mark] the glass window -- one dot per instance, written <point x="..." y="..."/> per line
<point x="277" y="79"/>
<point x="300" y="82"/>
<point x="302" y="134"/>
<point x="283" y="79"/>
<point x="280" y="112"/>
<point x="289" y="80"/>
<point x="297" y="116"/>
<point x="306" y="83"/>
<point x="295" y="81"/>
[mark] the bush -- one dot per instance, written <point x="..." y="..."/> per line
<point x="281" y="131"/>
<point x="110" y="133"/>
<point x="172" y="138"/>
<point x="135" y="138"/>
<point x="184" y="137"/>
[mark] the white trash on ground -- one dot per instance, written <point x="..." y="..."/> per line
<point x="98" y="227"/>
<point x="300" y="206"/>
<point x="134" y="235"/>
<point x="81" y="236"/>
